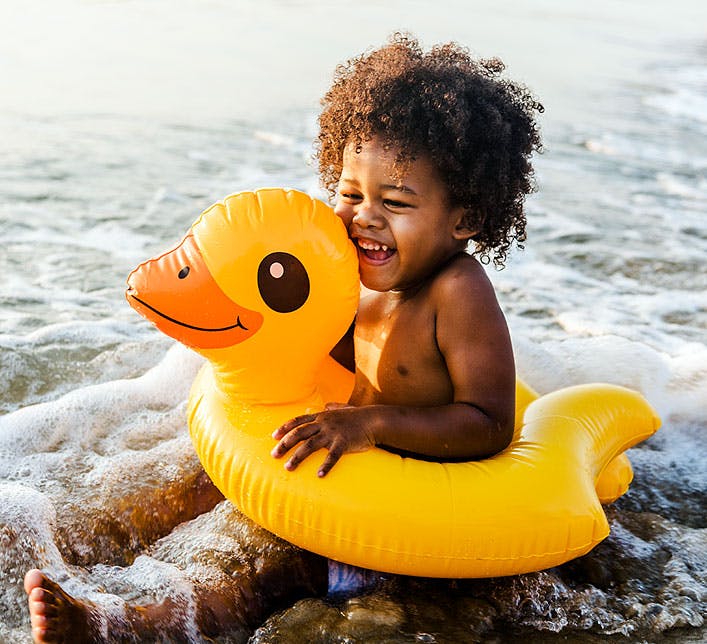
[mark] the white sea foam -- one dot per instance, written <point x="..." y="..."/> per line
<point x="93" y="412"/>
<point x="675" y="385"/>
<point x="84" y="332"/>
<point x="27" y="541"/>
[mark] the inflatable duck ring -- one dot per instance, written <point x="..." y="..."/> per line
<point x="263" y="286"/>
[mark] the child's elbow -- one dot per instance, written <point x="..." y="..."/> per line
<point x="492" y="434"/>
<point x="501" y="437"/>
<point x="506" y="436"/>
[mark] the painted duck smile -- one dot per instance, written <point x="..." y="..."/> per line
<point x="130" y="292"/>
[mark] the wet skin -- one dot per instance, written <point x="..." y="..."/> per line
<point x="55" y="616"/>
<point x="230" y="593"/>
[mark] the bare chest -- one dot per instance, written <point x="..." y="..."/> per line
<point x="397" y="358"/>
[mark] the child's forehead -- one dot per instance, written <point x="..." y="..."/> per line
<point x="385" y="154"/>
<point x="373" y="143"/>
<point x="388" y="159"/>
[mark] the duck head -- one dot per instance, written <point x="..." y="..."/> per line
<point x="267" y="277"/>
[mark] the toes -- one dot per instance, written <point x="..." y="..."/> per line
<point x="33" y="578"/>
<point x="44" y="634"/>
<point x="43" y="628"/>
<point x="42" y="588"/>
<point x="42" y="601"/>
<point x="51" y="609"/>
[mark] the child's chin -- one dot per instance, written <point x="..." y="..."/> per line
<point x="373" y="284"/>
<point x="378" y="283"/>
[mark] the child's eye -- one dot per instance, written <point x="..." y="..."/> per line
<point x="392" y="203"/>
<point x="352" y="196"/>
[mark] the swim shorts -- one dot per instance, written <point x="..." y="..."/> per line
<point x="345" y="579"/>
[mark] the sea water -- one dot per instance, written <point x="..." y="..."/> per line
<point x="121" y="121"/>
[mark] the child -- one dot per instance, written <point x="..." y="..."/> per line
<point x="426" y="152"/>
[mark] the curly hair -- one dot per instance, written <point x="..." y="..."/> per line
<point x="477" y="129"/>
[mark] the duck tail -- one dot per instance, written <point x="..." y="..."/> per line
<point x="612" y="418"/>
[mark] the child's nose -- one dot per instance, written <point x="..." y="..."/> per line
<point x="366" y="216"/>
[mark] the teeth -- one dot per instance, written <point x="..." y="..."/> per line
<point x="366" y="245"/>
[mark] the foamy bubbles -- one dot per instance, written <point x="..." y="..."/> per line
<point x="96" y="475"/>
<point x="99" y="417"/>
<point x="27" y="520"/>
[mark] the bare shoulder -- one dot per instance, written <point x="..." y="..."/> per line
<point x="463" y="283"/>
<point x="473" y="337"/>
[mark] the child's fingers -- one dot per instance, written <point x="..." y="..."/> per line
<point x="335" y="453"/>
<point x="291" y="424"/>
<point x="311" y="445"/>
<point x="289" y="440"/>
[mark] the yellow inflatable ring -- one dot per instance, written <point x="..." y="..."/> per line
<point x="263" y="286"/>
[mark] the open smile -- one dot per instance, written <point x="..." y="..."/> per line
<point x="374" y="251"/>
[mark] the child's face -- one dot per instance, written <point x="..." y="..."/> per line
<point x="404" y="229"/>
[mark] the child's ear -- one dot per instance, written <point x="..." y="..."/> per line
<point x="464" y="230"/>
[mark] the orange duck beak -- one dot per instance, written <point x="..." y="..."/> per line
<point x="178" y="294"/>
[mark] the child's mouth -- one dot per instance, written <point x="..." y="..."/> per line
<point x="374" y="251"/>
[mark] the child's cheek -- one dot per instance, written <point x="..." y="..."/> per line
<point x="344" y="212"/>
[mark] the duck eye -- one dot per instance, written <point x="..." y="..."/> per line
<point x="183" y="273"/>
<point x="283" y="282"/>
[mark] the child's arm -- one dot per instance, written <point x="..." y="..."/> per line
<point x="473" y="339"/>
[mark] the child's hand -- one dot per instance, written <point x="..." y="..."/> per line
<point x="340" y="428"/>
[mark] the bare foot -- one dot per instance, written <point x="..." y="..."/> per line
<point x="56" y="616"/>
<point x="234" y="607"/>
